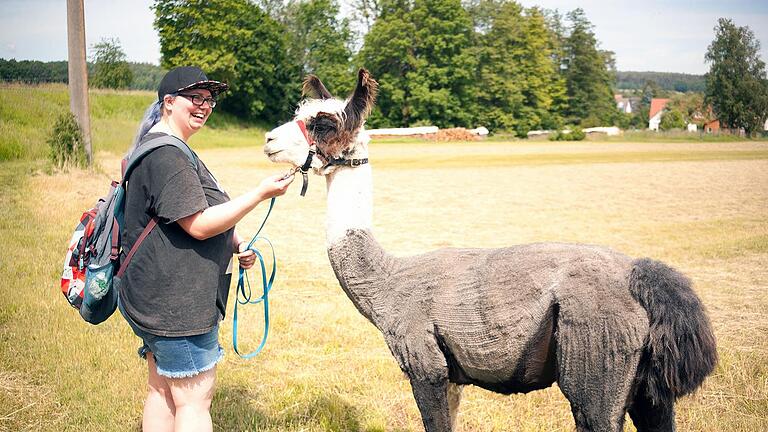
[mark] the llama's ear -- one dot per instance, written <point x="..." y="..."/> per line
<point x="314" y="88"/>
<point x="361" y="102"/>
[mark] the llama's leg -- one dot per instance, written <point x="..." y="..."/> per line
<point x="425" y="364"/>
<point x="433" y="402"/>
<point x="597" y="367"/>
<point x="648" y="417"/>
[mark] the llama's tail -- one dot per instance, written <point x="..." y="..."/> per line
<point x="680" y="351"/>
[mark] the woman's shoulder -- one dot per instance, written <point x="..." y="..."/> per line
<point x="167" y="159"/>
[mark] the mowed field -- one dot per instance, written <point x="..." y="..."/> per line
<point x="700" y="207"/>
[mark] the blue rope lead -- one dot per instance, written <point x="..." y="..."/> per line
<point x="243" y="282"/>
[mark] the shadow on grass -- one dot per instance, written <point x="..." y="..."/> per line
<point x="234" y="408"/>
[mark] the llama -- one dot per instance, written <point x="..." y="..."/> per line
<point x="617" y="334"/>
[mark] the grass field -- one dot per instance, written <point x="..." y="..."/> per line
<point x="700" y="207"/>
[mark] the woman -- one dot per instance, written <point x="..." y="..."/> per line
<point x="174" y="292"/>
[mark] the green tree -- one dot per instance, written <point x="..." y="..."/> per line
<point x="650" y="90"/>
<point x="233" y="41"/>
<point x="110" y="68"/>
<point x="589" y="75"/>
<point x="364" y="13"/>
<point x="388" y="53"/>
<point x="519" y="81"/>
<point x="422" y="55"/>
<point x="441" y="83"/>
<point x="736" y="82"/>
<point x="146" y="76"/>
<point x="690" y="105"/>
<point x="321" y="43"/>
<point x="33" y="71"/>
<point x="672" y="119"/>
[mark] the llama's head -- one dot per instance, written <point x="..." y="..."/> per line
<point x="331" y="127"/>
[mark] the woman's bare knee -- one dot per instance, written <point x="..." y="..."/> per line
<point x="196" y="391"/>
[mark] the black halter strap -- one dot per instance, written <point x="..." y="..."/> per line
<point x="307" y="163"/>
<point x="346" y="162"/>
<point x="304" y="169"/>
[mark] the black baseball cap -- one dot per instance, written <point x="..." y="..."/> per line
<point x="188" y="78"/>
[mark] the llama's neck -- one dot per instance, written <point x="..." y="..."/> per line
<point x="361" y="265"/>
<point x="350" y="204"/>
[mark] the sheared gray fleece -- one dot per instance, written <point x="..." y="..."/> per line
<point x="510" y="320"/>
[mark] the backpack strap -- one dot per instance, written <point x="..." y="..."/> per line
<point x="130" y="162"/>
<point x="152" y="223"/>
<point x="127" y="166"/>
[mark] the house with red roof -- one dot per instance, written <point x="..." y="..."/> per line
<point x="655" y="113"/>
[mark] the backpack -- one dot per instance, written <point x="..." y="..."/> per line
<point x="91" y="267"/>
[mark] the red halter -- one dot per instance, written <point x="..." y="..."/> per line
<point x="303" y="127"/>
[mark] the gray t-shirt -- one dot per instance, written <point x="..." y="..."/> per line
<point x="174" y="285"/>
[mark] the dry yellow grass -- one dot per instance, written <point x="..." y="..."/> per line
<point x="700" y="207"/>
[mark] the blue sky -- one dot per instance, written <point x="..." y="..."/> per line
<point x="655" y="35"/>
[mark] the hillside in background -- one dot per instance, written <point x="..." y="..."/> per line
<point x="666" y="80"/>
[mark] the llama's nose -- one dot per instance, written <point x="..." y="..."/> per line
<point x="269" y="139"/>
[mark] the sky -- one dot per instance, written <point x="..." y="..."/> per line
<point x="648" y="35"/>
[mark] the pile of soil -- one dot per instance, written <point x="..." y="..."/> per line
<point x="456" y="134"/>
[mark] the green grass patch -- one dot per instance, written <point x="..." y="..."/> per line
<point x="28" y="113"/>
<point x="668" y="136"/>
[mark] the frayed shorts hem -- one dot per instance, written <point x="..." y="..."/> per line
<point x="189" y="374"/>
<point x="179" y="357"/>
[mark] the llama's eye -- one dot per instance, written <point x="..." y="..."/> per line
<point x="322" y="125"/>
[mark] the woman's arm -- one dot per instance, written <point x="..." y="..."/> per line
<point x="219" y="218"/>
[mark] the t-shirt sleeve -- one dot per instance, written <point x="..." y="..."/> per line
<point x="174" y="189"/>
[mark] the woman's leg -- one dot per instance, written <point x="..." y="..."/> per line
<point x="192" y="398"/>
<point x="159" y="409"/>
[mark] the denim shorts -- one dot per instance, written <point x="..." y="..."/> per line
<point x="179" y="357"/>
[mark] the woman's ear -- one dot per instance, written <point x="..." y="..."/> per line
<point x="168" y="102"/>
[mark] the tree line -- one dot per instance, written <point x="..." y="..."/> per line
<point x="143" y="76"/>
<point x="670" y="81"/>
<point x="438" y="62"/>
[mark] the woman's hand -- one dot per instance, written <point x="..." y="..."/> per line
<point x="221" y="217"/>
<point x="247" y="258"/>
<point x="275" y="185"/>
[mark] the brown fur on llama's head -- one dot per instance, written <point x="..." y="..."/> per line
<point x="333" y="124"/>
<point x="335" y="132"/>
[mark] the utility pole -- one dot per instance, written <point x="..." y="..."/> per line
<point x="78" y="72"/>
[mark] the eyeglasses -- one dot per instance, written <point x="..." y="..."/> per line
<point x="199" y="100"/>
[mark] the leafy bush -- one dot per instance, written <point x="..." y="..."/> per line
<point x="572" y="134"/>
<point x="66" y="142"/>
<point x="672" y="119"/>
